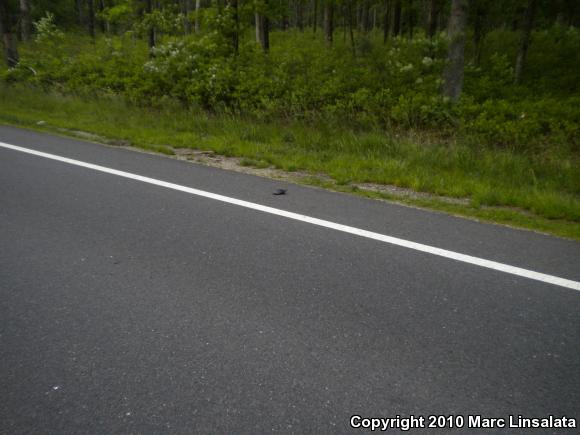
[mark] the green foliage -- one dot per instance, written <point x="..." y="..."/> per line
<point x="533" y="187"/>
<point x="373" y="116"/>
<point x="119" y="15"/>
<point x="525" y="125"/>
<point x="46" y="29"/>
<point x="165" y="20"/>
<point x="393" y="86"/>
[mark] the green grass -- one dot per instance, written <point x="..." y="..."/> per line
<point x="536" y="192"/>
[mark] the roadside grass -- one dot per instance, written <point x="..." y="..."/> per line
<point x="530" y="191"/>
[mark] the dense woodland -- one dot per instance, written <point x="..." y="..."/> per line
<point x="476" y="98"/>
<point x="506" y="73"/>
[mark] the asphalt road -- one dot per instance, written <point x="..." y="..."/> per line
<point x="131" y="308"/>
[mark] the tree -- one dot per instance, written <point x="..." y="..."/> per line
<point x="478" y="30"/>
<point x="350" y="27"/>
<point x="151" y="30"/>
<point x="79" y="9"/>
<point x="434" y="8"/>
<point x="410" y="18"/>
<point x="453" y="72"/>
<point x="314" y="15"/>
<point x="386" y="20"/>
<point x="525" y="40"/>
<point x="328" y="21"/>
<point x="364" y="21"/>
<point x="258" y="26"/>
<point x="25" y="22"/>
<point x="263" y="30"/>
<point x="300" y="15"/>
<point x="235" y="32"/>
<point x="186" y="7"/>
<point x="397" y="18"/>
<point x="101" y="21"/>
<point x="197" y="8"/>
<point x="91" y="17"/>
<point x="8" y="36"/>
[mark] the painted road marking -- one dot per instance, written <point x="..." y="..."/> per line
<point x="550" y="279"/>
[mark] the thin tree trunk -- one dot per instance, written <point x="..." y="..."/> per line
<point x="79" y="7"/>
<point x="525" y="40"/>
<point x="386" y="20"/>
<point x="25" y="22"/>
<point x="285" y="24"/>
<point x="11" y="49"/>
<point x="344" y="21"/>
<point x="350" y="28"/>
<point x="478" y="32"/>
<point x="91" y="17"/>
<point x="151" y="30"/>
<point x="397" y="18"/>
<point x="300" y="15"/>
<point x="410" y="18"/>
<point x="263" y="31"/>
<point x="364" y="21"/>
<point x="265" y="34"/>
<point x="328" y="22"/>
<point x="197" y="24"/>
<point x="101" y="21"/>
<point x="432" y="20"/>
<point x="315" y="18"/>
<point x="186" y="7"/>
<point x="8" y="37"/>
<point x="258" y="20"/>
<point x="453" y="72"/>
<point x="235" y="34"/>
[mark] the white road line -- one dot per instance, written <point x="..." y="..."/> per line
<point x="550" y="279"/>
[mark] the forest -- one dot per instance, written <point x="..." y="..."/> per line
<point x="477" y="100"/>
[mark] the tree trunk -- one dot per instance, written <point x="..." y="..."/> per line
<point x="91" y="17"/>
<point x="265" y="34"/>
<point x="315" y="18"/>
<point x="151" y="30"/>
<point x="397" y="18"/>
<point x="8" y="37"/>
<point x="328" y="22"/>
<point x="410" y="19"/>
<point x="433" y="16"/>
<point x="258" y="20"/>
<point x="350" y="28"/>
<point x="285" y="24"/>
<point x="25" y="22"/>
<point x="235" y="34"/>
<point x="300" y="15"/>
<point x="525" y="40"/>
<point x="101" y="21"/>
<point x="79" y="7"/>
<point x="386" y="20"/>
<point x="263" y="31"/>
<point x="453" y="72"/>
<point x="186" y="7"/>
<point x="197" y="24"/>
<point x="11" y="49"/>
<point x="364" y="19"/>
<point x="478" y="32"/>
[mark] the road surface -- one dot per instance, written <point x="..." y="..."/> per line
<point x="128" y="306"/>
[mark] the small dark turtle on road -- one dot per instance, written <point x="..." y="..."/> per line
<point x="279" y="192"/>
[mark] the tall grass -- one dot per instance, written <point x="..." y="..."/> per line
<point x="546" y="187"/>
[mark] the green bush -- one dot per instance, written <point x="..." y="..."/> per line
<point x="392" y="86"/>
